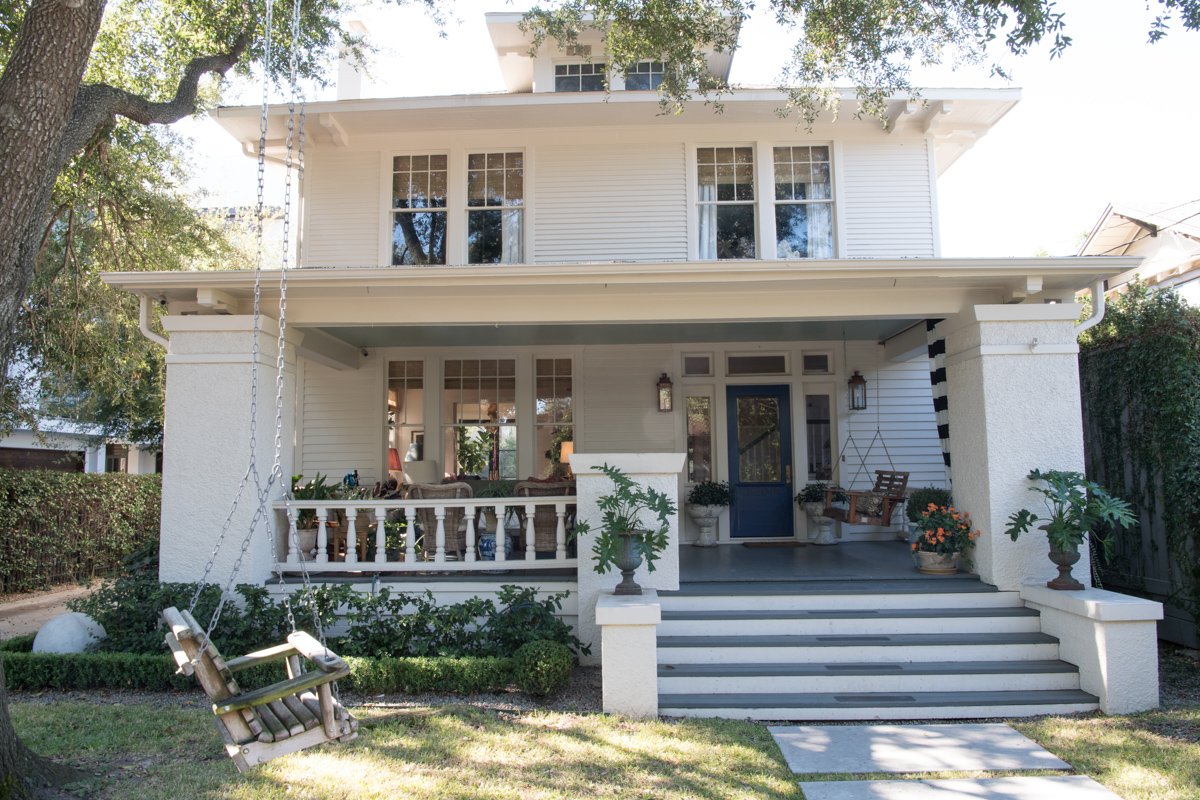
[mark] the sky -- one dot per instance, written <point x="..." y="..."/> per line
<point x="1115" y="119"/>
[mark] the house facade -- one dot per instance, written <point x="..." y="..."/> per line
<point x="493" y="287"/>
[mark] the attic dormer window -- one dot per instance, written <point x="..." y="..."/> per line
<point x="580" y="77"/>
<point x="644" y="75"/>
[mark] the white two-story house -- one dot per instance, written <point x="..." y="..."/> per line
<point x="488" y="283"/>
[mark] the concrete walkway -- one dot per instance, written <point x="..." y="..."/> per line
<point x="864" y="749"/>
<point x="26" y="615"/>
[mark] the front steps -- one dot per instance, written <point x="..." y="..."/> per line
<point x="946" y="648"/>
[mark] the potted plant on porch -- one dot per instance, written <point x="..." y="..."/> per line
<point x="705" y="502"/>
<point x="945" y="533"/>
<point x="624" y="539"/>
<point x="1075" y="506"/>
<point x="918" y="502"/>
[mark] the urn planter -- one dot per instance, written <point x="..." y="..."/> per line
<point x="1064" y="560"/>
<point x="705" y="518"/>
<point x="629" y="558"/>
<point x="823" y="524"/>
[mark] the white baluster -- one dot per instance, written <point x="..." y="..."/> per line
<point x="322" y="535"/>
<point x="560" y="531"/>
<point x="470" y="554"/>
<point x="293" y="552"/>
<point x="501" y="534"/>
<point x="410" y="534"/>
<point x="439" y="555"/>
<point x="380" y="535"/>
<point x="351" y="536"/>
<point x="530" y="553"/>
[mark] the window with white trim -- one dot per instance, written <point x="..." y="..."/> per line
<point x="495" y="197"/>
<point x="479" y="416"/>
<point x="553" y="391"/>
<point x="580" y="77"/>
<point x="644" y="75"/>
<point x="803" y="202"/>
<point x="725" y="202"/>
<point x="419" y="210"/>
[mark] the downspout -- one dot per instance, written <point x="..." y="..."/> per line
<point x="144" y="323"/>
<point x="1097" y="309"/>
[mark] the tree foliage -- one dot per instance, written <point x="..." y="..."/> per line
<point x="871" y="45"/>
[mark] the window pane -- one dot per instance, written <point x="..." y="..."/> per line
<point x="819" y="436"/>
<point x="735" y="231"/>
<point x="419" y="237"/>
<point x="699" y="439"/>
<point x="804" y="230"/>
<point x="758" y="439"/>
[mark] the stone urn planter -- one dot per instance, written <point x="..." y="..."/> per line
<point x="705" y="518"/>
<point x="635" y="522"/>
<point x="628" y="559"/>
<point x="1064" y="560"/>
<point x="936" y="563"/>
<point x="823" y="524"/>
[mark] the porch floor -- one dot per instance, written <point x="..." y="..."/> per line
<point x="847" y="561"/>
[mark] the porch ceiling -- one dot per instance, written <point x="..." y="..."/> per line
<point x="668" y="333"/>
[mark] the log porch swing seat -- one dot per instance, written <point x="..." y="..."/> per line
<point x="257" y="726"/>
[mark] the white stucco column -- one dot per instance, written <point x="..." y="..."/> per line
<point x="629" y="652"/>
<point x="656" y="470"/>
<point x="1013" y="393"/>
<point x="206" y="443"/>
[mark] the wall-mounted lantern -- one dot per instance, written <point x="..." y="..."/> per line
<point x="665" y="400"/>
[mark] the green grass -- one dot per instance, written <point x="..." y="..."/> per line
<point x="453" y="752"/>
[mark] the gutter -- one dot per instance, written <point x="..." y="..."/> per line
<point x="144" y="323"/>
<point x="1097" y="291"/>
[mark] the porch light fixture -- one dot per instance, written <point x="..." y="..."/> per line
<point x="664" y="393"/>
<point x="858" y="391"/>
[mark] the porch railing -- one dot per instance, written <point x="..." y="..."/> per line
<point x="344" y="545"/>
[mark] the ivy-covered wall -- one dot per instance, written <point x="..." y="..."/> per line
<point x="59" y="527"/>
<point x="1140" y="381"/>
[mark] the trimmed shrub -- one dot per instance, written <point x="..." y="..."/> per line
<point x="17" y="644"/>
<point x="61" y="527"/>
<point x="421" y="674"/>
<point x="542" y="667"/>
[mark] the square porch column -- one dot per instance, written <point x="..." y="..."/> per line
<point x="656" y="470"/>
<point x="206" y="444"/>
<point x="1013" y="392"/>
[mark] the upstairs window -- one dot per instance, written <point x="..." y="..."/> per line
<point x="803" y="202"/>
<point x="644" y="75"/>
<point x="495" y="190"/>
<point x="419" y="210"/>
<point x="580" y="77"/>
<point x="725" y="196"/>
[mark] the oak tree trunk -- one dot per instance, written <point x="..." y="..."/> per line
<point x="22" y="773"/>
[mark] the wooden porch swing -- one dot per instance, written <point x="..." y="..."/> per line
<point x="303" y="709"/>
<point x="876" y="505"/>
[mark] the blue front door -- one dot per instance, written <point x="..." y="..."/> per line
<point x="760" y="461"/>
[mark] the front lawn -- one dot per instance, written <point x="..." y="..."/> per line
<point x="151" y="751"/>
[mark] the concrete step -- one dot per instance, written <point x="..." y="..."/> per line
<point x="857" y="648"/>
<point x="845" y="596"/>
<point x="994" y="676"/>
<point x="869" y="621"/>
<point x="876" y="705"/>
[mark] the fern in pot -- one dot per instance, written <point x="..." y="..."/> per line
<point x="705" y="503"/>
<point x="634" y="521"/>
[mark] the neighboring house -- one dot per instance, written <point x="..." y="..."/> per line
<point x="68" y="447"/>
<point x="1165" y="235"/>
<point x="487" y="278"/>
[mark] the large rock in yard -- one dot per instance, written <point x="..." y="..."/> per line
<point x="72" y="632"/>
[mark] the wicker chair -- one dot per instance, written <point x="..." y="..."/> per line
<point x="456" y="540"/>
<point x="545" y="518"/>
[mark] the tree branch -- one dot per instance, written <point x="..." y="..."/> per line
<point x="97" y="104"/>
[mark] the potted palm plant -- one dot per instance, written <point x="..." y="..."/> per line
<point x="705" y="503"/>
<point x="1074" y="507"/>
<point x="625" y="537"/>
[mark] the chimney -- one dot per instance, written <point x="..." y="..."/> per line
<point x="349" y="80"/>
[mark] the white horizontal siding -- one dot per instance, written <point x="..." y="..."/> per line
<point x="617" y="392"/>
<point x="610" y="202"/>
<point x="341" y="209"/>
<point x="341" y="428"/>
<point x="887" y="207"/>
<point x="900" y="408"/>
